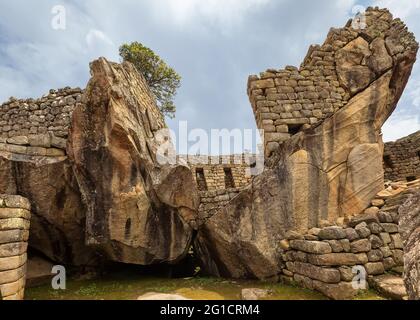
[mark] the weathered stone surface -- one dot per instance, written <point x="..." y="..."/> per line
<point x="351" y="234"/>
<point x="13" y="249"/>
<point x="331" y="233"/>
<point x="137" y="211"/>
<point x="410" y="232"/>
<point x="8" y="213"/>
<point x="352" y="74"/>
<point x="58" y="214"/>
<point x="338" y="259"/>
<point x="317" y="273"/>
<point x="386" y="251"/>
<point x="254" y="294"/>
<point x="390" y="227"/>
<point x="346" y="274"/>
<point x="12" y="275"/>
<point x="375" y="241"/>
<point x="390" y="286"/>
<point x="365" y="217"/>
<point x="14" y="231"/>
<point x="362" y="230"/>
<point x="336" y="245"/>
<point x="10" y="263"/>
<point x="10" y="289"/>
<point x="374" y="268"/>
<point x="378" y="203"/>
<point x="398" y="256"/>
<point x="311" y="246"/>
<point x="303" y="281"/>
<point x="375" y="228"/>
<point x="336" y="291"/>
<point x="396" y="242"/>
<point x="362" y="245"/>
<point x="375" y="255"/>
<point x="389" y="263"/>
<point x="297" y="256"/>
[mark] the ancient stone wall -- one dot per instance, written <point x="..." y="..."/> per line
<point x="15" y="218"/>
<point x="288" y="100"/>
<point x="49" y="114"/>
<point x="37" y="127"/>
<point x="215" y="173"/>
<point x="410" y="231"/>
<point x="219" y="179"/>
<point x="324" y="258"/>
<point x="402" y="158"/>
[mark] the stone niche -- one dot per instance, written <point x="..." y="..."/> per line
<point x="15" y="218"/>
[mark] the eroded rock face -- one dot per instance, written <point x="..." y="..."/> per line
<point x="329" y="171"/>
<point x="104" y="191"/>
<point x="410" y="232"/>
<point x="136" y="210"/>
<point x="58" y="214"/>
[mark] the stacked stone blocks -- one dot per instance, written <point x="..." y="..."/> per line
<point x="49" y="114"/>
<point x="289" y="100"/>
<point x="402" y="158"/>
<point x="323" y="258"/>
<point x="15" y="218"/>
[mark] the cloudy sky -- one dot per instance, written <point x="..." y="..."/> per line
<point x="213" y="44"/>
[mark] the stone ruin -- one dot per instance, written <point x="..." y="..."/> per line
<point x="402" y="158"/>
<point x="15" y="216"/>
<point x="86" y="163"/>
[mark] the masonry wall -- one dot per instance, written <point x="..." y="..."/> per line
<point x="402" y="158"/>
<point x="37" y="127"/>
<point x="15" y="218"/>
<point x="289" y="100"/>
<point x="219" y="179"/>
<point x="219" y="172"/>
<point x="323" y="258"/>
<point x="49" y="114"/>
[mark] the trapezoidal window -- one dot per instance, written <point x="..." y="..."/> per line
<point x="229" y="182"/>
<point x="201" y="179"/>
<point x="388" y="162"/>
<point x="411" y="178"/>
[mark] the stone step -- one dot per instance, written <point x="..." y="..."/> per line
<point x="390" y="286"/>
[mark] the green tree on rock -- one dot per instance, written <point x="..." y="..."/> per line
<point x="162" y="79"/>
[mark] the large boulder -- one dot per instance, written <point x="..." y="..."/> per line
<point x="104" y="194"/>
<point x="410" y="231"/>
<point x="329" y="171"/>
<point x="58" y="214"/>
<point x="137" y="211"/>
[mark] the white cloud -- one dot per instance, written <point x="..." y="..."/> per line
<point x="213" y="44"/>
<point x="96" y="35"/>
<point x="400" y="126"/>
<point x="223" y="13"/>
